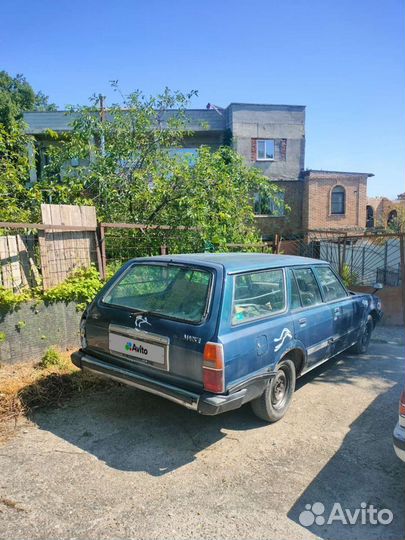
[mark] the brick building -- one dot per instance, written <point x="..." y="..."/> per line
<point x="269" y="137"/>
<point x="382" y="211"/>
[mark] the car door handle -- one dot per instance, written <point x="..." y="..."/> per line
<point x="302" y="322"/>
<point x="338" y="311"/>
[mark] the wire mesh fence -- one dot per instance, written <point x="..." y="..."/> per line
<point x="120" y="244"/>
<point x="35" y="255"/>
<point x="20" y="262"/>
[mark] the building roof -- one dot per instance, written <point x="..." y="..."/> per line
<point x="237" y="262"/>
<point x="336" y="173"/>
<point x="196" y="119"/>
<point x="61" y="121"/>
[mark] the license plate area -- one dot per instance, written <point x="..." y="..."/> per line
<point x="139" y="347"/>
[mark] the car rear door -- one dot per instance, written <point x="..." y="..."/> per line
<point x="255" y="323"/>
<point x="341" y="305"/>
<point x="313" y="323"/>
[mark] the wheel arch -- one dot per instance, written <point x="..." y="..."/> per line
<point x="298" y="358"/>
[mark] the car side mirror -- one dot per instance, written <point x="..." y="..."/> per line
<point x="378" y="287"/>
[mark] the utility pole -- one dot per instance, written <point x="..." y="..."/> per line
<point x="102" y="120"/>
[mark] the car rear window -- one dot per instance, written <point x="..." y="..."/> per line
<point x="173" y="291"/>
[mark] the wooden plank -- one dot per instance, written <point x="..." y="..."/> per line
<point x="14" y="262"/>
<point x="58" y="246"/>
<point x="5" y="264"/>
<point x="43" y="251"/>
<point x="70" y="215"/>
<point x="48" y="246"/>
<point x="29" y="268"/>
<point x="43" y="227"/>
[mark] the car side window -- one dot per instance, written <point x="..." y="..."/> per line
<point x="331" y="287"/>
<point x="265" y="295"/>
<point x="295" y="301"/>
<point x="308" y="287"/>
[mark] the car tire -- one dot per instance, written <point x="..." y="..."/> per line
<point x="272" y="405"/>
<point x="361" y="346"/>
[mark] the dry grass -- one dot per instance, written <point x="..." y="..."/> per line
<point x="25" y="387"/>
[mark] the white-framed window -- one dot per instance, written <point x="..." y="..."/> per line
<point x="266" y="206"/>
<point x="265" y="150"/>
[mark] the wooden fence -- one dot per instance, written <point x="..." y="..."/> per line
<point x="33" y="254"/>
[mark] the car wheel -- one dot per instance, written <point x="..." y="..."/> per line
<point x="275" y="400"/>
<point x="361" y="346"/>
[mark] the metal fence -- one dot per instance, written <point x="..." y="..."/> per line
<point x="45" y="254"/>
<point x="363" y="259"/>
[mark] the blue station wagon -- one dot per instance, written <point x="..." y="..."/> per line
<point x="214" y="331"/>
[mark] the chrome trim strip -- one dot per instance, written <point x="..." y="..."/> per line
<point x="325" y="360"/>
<point x="138" y="334"/>
<point x="138" y="384"/>
<point x="319" y="346"/>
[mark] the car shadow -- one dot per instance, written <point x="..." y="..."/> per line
<point x="131" y="430"/>
<point x="364" y="470"/>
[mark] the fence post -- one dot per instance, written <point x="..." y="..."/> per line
<point x="103" y="257"/>
<point x="402" y="255"/>
<point x="276" y="245"/>
<point x="163" y="250"/>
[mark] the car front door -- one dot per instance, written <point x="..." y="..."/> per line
<point x="342" y="309"/>
<point x="313" y="323"/>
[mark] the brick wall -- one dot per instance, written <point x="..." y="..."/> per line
<point x="317" y="200"/>
<point x="293" y="219"/>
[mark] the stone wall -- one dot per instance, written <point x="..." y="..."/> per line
<point x="32" y="328"/>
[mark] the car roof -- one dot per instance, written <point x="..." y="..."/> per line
<point x="239" y="262"/>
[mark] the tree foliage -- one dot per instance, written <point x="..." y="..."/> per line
<point x="124" y="161"/>
<point x="16" y="200"/>
<point x="17" y="96"/>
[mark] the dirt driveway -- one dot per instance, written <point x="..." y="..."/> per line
<point x="124" y="464"/>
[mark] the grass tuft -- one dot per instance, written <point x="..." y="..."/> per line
<point x="24" y="388"/>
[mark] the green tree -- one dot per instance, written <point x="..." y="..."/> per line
<point x="17" y="96"/>
<point x="17" y="202"/>
<point x="122" y="161"/>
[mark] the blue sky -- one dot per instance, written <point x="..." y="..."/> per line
<point x="343" y="59"/>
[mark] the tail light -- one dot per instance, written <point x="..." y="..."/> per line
<point x="213" y="367"/>
<point x="402" y="403"/>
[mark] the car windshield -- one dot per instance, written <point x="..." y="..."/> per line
<point x="174" y="291"/>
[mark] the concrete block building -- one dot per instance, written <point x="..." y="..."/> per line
<point x="271" y="138"/>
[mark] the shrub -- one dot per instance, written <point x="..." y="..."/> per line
<point x="51" y="358"/>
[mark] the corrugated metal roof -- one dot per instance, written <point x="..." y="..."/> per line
<point x="60" y="121"/>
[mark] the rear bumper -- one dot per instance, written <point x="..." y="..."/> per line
<point x="399" y="441"/>
<point x="208" y="404"/>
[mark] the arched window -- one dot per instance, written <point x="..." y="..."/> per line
<point x="369" y="216"/>
<point x="392" y="216"/>
<point x="338" y="200"/>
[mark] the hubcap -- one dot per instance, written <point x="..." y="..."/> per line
<point x="279" y="390"/>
